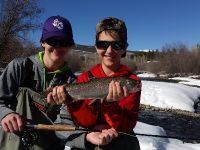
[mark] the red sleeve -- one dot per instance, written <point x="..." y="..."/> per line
<point x="83" y="114"/>
<point x="123" y="115"/>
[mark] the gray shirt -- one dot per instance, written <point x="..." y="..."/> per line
<point x="28" y="72"/>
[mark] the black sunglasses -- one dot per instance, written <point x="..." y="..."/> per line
<point x="57" y="42"/>
<point x="116" y="45"/>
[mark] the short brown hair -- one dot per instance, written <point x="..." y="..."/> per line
<point x="112" y="23"/>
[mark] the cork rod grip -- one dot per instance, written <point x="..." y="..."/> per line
<point x="54" y="127"/>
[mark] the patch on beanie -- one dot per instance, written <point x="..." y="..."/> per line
<point x="58" y="24"/>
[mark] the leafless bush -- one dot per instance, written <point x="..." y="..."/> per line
<point x="150" y="66"/>
<point x="178" y="59"/>
<point x="10" y="55"/>
<point x="174" y="58"/>
<point x="196" y="56"/>
<point x="17" y="18"/>
<point x="90" y="61"/>
<point x="130" y="63"/>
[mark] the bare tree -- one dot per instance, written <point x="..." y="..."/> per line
<point x="17" y="18"/>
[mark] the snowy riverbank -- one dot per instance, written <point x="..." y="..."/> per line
<point x="167" y="95"/>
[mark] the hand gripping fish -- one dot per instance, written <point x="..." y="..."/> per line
<point x="98" y="88"/>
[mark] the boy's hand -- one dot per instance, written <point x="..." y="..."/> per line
<point x="116" y="92"/>
<point x="13" y="122"/>
<point x="58" y="95"/>
<point x="102" y="138"/>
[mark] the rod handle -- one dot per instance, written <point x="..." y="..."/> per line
<point x="55" y="127"/>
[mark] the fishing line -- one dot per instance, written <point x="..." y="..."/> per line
<point x="61" y="127"/>
<point x="161" y="136"/>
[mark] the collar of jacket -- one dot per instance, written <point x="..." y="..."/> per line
<point x="60" y="70"/>
<point x="98" y="72"/>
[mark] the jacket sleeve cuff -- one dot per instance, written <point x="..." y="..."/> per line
<point x="5" y="111"/>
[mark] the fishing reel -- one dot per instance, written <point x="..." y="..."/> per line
<point x="29" y="137"/>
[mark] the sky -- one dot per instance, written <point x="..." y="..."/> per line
<point x="151" y="24"/>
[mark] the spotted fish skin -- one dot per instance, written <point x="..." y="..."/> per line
<point x="98" y="88"/>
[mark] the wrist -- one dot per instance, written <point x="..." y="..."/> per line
<point x="88" y="144"/>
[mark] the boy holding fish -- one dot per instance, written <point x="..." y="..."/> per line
<point x="22" y="81"/>
<point x="118" y="111"/>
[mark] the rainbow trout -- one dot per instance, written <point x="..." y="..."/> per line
<point x="98" y="88"/>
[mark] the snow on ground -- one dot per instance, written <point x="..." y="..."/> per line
<point x="147" y="75"/>
<point x="169" y="95"/>
<point x="153" y="143"/>
<point x="184" y="80"/>
<point x="166" y="95"/>
<point x="188" y="80"/>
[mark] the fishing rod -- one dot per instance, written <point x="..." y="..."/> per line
<point x="61" y="127"/>
<point x="29" y="137"/>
